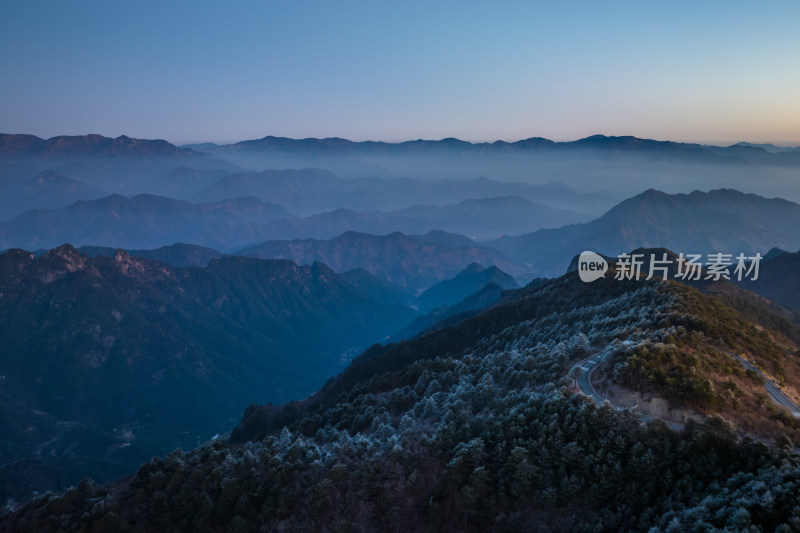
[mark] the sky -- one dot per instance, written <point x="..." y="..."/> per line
<point x="195" y="71"/>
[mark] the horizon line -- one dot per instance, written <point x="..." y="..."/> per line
<point x="778" y="144"/>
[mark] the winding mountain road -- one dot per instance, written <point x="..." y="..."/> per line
<point x="582" y="370"/>
<point x="777" y="395"/>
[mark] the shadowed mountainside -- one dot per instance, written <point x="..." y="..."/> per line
<point x="109" y="360"/>
<point x="778" y="280"/>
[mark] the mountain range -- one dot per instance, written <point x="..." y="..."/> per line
<point x="121" y="165"/>
<point x="14" y="147"/>
<point x="615" y="164"/>
<point x="144" y="221"/>
<point x="211" y="278"/>
<point x="309" y="191"/>
<point x="411" y="261"/>
<point x="47" y="190"/>
<point x="722" y="220"/>
<point x="479" y="219"/>
<point x="590" y="165"/>
<point x="771" y="147"/>
<point x="610" y="145"/>
<point x="147" y="221"/>
<point x="22" y="146"/>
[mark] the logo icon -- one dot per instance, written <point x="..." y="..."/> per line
<point x="591" y="266"/>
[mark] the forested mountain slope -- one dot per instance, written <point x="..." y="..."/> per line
<point x="108" y="361"/>
<point x="472" y="428"/>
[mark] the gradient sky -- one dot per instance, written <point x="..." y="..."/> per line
<point x="188" y="71"/>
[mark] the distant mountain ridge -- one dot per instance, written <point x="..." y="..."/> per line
<point x="482" y="219"/>
<point x="322" y="148"/>
<point x="148" y="221"/>
<point x="337" y="145"/>
<point x="143" y="221"/>
<point x="613" y="163"/>
<point x="47" y="190"/>
<point x="93" y="145"/>
<point x="469" y="281"/>
<point x="410" y="261"/>
<point x="610" y="160"/>
<point x="313" y="190"/>
<point x="116" y="165"/>
<point x="721" y="220"/>
<point x="769" y="147"/>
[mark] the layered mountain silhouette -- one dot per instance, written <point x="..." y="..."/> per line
<point x="613" y="161"/>
<point x="109" y="360"/>
<point x="444" y="316"/>
<point x="770" y="147"/>
<point x="23" y="146"/>
<point x="343" y="147"/>
<point x="120" y="165"/>
<point x="598" y="162"/>
<point x="305" y="188"/>
<point x="144" y="221"/>
<point x="589" y="164"/>
<point x="410" y="261"/>
<point x="86" y="146"/>
<point x="311" y="190"/>
<point x="472" y="290"/>
<point x="469" y="281"/>
<point x="722" y="220"/>
<point x="46" y="190"/>
<point x="147" y="221"/>
<point x="481" y="219"/>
